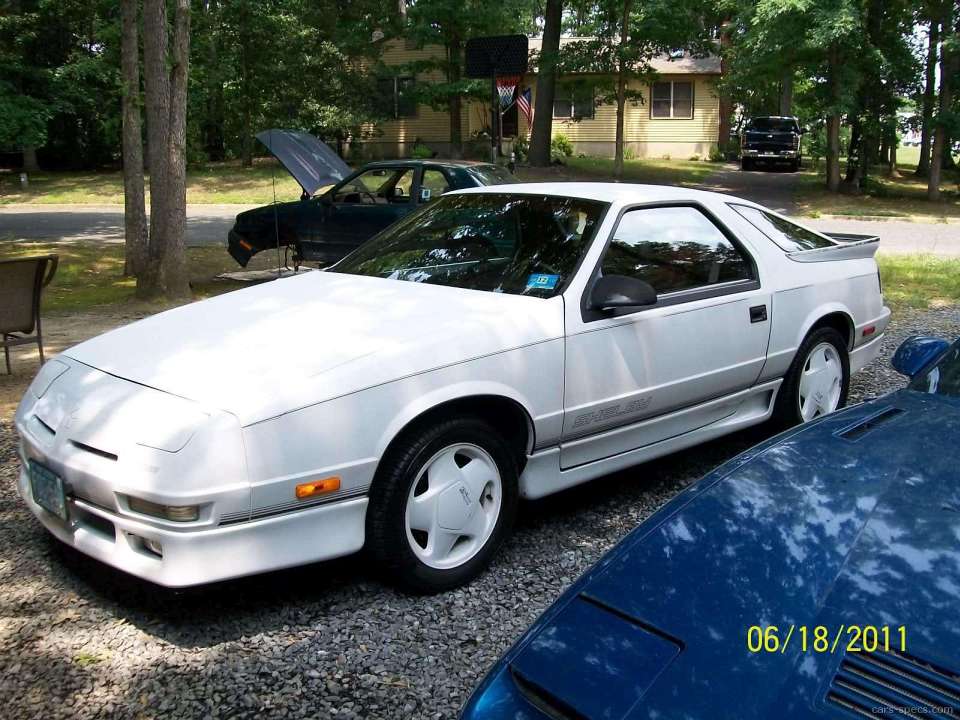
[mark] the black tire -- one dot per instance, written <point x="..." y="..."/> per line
<point x="746" y="165"/>
<point x="794" y="165"/>
<point x="786" y="411"/>
<point x="386" y="534"/>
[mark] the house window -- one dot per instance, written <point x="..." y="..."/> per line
<point x="671" y="100"/>
<point x="397" y="94"/>
<point x="573" y="103"/>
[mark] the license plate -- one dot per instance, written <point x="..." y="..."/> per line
<point x="47" y="489"/>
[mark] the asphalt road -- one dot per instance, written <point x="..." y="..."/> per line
<point x="206" y="224"/>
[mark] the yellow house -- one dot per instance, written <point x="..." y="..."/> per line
<point x="679" y="115"/>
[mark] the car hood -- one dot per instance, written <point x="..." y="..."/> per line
<point x="854" y="520"/>
<point x="312" y="163"/>
<point x="283" y="345"/>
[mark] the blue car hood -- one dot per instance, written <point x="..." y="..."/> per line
<point x="854" y="520"/>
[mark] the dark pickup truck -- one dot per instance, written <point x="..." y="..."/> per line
<point x="773" y="140"/>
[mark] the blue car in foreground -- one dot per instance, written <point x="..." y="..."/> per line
<point x="816" y="575"/>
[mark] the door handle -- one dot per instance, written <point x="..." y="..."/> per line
<point x="758" y="313"/>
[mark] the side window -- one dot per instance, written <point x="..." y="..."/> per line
<point x="785" y="234"/>
<point x="672" y="249"/>
<point x="435" y="182"/>
<point x="377" y="185"/>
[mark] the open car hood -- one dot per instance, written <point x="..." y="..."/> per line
<point x="312" y="163"/>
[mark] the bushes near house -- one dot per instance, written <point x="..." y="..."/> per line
<point x="560" y="148"/>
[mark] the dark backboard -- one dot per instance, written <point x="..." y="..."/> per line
<point x="496" y="55"/>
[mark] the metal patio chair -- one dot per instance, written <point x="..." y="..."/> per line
<point x="21" y="283"/>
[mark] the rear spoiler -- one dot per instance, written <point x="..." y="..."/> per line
<point x="850" y="246"/>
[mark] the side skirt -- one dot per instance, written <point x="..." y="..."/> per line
<point x="543" y="476"/>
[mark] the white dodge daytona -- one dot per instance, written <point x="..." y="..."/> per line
<point x="499" y="343"/>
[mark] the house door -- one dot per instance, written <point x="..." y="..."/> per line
<point x="510" y="123"/>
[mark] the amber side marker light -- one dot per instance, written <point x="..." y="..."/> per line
<point x="318" y="487"/>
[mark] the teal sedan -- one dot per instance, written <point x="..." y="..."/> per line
<point x="327" y="222"/>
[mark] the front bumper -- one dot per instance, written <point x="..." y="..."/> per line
<point x="194" y="557"/>
<point x="771" y="154"/>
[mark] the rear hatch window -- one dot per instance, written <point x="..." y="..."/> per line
<point x="789" y="236"/>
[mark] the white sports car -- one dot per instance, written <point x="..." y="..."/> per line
<point x="500" y="343"/>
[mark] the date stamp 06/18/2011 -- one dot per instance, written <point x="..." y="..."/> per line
<point x="823" y="639"/>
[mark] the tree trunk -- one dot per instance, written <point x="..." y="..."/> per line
<point x="157" y="91"/>
<point x="786" y="93"/>
<point x="892" y="158"/>
<point x="929" y="97"/>
<point x="134" y="211"/>
<point x="725" y="100"/>
<point x="175" y="275"/>
<point x="454" y="51"/>
<point x="948" y="66"/>
<point x="833" y="120"/>
<point x="542" y="132"/>
<point x="621" y="92"/>
<point x="30" y="163"/>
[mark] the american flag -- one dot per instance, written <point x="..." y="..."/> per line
<point x="524" y="103"/>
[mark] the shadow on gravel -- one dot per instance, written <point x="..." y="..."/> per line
<point x="671" y="473"/>
<point x="205" y="616"/>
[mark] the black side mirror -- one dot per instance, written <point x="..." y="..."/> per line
<point x="619" y="291"/>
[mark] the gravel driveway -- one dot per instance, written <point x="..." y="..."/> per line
<point x="79" y="640"/>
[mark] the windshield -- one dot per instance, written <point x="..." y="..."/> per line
<point x="518" y="244"/>
<point x="766" y="124"/>
<point x="491" y="174"/>
<point x="943" y="378"/>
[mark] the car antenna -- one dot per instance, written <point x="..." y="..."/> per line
<point x="276" y="218"/>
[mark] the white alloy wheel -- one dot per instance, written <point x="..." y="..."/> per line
<point x="821" y="382"/>
<point x="453" y="506"/>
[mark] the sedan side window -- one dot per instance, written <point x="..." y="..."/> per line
<point x="377" y="186"/>
<point x="435" y="182"/>
<point x="673" y="249"/>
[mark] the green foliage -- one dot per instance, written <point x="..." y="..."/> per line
<point x="521" y="148"/>
<point x="560" y="147"/>
<point x="421" y="152"/>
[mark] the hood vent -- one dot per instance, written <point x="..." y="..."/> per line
<point x="885" y="683"/>
<point x="93" y="450"/>
<point x="869" y="424"/>
<point x="546" y="702"/>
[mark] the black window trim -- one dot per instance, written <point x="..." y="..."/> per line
<point x="693" y="98"/>
<point x="573" y="117"/>
<point x="677" y="297"/>
<point x="395" y="81"/>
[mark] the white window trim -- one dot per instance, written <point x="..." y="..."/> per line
<point x="671" y="116"/>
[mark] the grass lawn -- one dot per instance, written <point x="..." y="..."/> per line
<point x="919" y="281"/>
<point x="228" y="183"/>
<point x="901" y="196"/>
<point x="90" y="275"/>
<point x="649" y="170"/>
<point x="218" y="183"/>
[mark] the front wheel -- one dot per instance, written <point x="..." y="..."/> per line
<point x="746" y="164"/>
<point x="818" y="380"/>
<point x="443" y="502"/>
